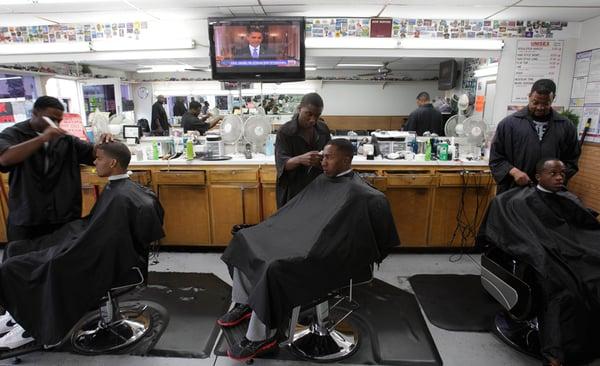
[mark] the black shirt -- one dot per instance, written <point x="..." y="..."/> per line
<point x="289" y="143"/>
<point x="425" y="118"/>
<point x="518" y="144"/>
<point x="53" y="197"/>
<point x="159" y="118"/>
<point x="191" y="122"/>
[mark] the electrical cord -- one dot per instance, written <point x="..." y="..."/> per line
<point x="467" y="226"/>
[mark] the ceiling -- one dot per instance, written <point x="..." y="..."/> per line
<point x="177" y="13"/>
<point x="31" y="12"/>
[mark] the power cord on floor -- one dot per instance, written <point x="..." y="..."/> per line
<point x="467" y="226"/>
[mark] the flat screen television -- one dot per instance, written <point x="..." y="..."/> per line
<point x="448" y="75"/>
<point x="257" y="49"/>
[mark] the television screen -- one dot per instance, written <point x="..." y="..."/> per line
<point x="448" y="75"/>
<point x="268" y="49"/>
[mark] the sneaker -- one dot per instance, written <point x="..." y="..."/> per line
<point x="7" y="323"/>
<point x="247" y="349"/>
<point x="235" y="316"/>
<point x="16" y="338"/>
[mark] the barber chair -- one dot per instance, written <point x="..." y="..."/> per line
<point x="324" y="339"/>
<point x="509" y="282"/>
<point x="114" y="327"/>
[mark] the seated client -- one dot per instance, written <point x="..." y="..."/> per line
<point x="327" y="234"/>
<point x="49" y="283"/>
<point x="548" y="229"/>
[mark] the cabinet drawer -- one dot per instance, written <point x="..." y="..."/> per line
<point x="410" y="180"/>
<point x="143" y="177"/>
<point x="92" y="179"/>
<point x="468" y="179"/>
<point x="380" y="183"/>
<point x="234" y="175"/>
<point x="184" y="178"/>
<point x="268" y="176"/>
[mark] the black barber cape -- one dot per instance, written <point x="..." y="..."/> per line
<point x="319" y="240"/>
<point x="560" y="239"/>
<point x="49" y="283"/>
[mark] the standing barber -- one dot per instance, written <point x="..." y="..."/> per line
<point x="527" y="136"/>
<point x="45" y="180"/>
<point x="160" y="121"/>
<point x="425" y="117"/>
<point x="297" y="148"/>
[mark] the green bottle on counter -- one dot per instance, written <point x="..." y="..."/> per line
<point x="428" y="150"/>
<point x="443" y="151"/>
<point x="155" y="150"/>
<point x="189" y="150"/>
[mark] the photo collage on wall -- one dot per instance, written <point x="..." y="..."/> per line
<point x="435" y="28"/>
<point x="71" y="32"/>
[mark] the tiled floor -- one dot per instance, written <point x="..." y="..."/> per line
<point x="456" y="348"/>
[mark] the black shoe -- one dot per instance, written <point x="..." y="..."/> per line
<point x="235" y="316"/>
<point x="247" y="349"/>
<point x="521" y="335"/>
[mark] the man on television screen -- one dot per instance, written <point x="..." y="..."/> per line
<point x="254" y="49"/>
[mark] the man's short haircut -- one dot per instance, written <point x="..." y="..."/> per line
<point x="313" y="99"/>
<point x="255" y="29"/>
<point x="48" y="102"/>
<point x="423" y="95"/>
<point x="544" y="87"/>
<point x="195" y="105"/>
<point x="539" y="167"/>
<point x="344" y="146"/>
<point x="118" y="151"/>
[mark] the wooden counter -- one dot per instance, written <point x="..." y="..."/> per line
<point x="434" y="204"/>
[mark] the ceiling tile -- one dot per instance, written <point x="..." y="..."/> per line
<point x="157" y="4"/>
<point x="556" y="14"/>
<point x="440" y="12"/>
<point x="316" y="11"/>
<point x="431" y="3"/>
<point x="571" y="3"/>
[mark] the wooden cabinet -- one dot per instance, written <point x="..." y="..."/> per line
<point x="410" y="196"/>
<point x="268" y="181"/>
<point x="234" y="199"/>
<point x="460" y="202"/>
<point x="184" y="197"/>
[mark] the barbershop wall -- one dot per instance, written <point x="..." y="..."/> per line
<point x="586" y="183"/>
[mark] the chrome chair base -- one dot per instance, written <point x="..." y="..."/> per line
<point x="94" y="336"/>
<point x="325" y="345"/>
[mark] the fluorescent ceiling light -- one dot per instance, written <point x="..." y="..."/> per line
<point x="11" y="78"/>
<point x="452" y="44"/>
<point x="351" y="42"/>
<point x="41" y="48"/>
<point x="310" y="68"/>
<point x="136" y="45"/>
<point x="34" y="2"/>
<point x="359" y="65"/>
<point x="490" y="70"/>
<point x="162" y="68"/>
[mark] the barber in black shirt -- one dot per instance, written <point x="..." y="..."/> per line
<point x="425" y="118"/>
<point x="45" y="180"/>
<point x="297" y="148"/>
<point x="190" y="120"/>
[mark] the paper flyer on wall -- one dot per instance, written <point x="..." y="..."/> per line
<point x="592" y="113"/>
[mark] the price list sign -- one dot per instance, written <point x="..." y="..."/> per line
<point x="535" y="59"/>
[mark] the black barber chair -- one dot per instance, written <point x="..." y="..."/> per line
<point x="114" y="327"/>
<point x="324" y="339"/>
<point x="509" y="282"/>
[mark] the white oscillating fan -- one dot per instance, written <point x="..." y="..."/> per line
<point x="231" y="132"/>
<point x="475" y="130"/>
<point x="455" y="124"/>
<point x="256" y="131"/>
